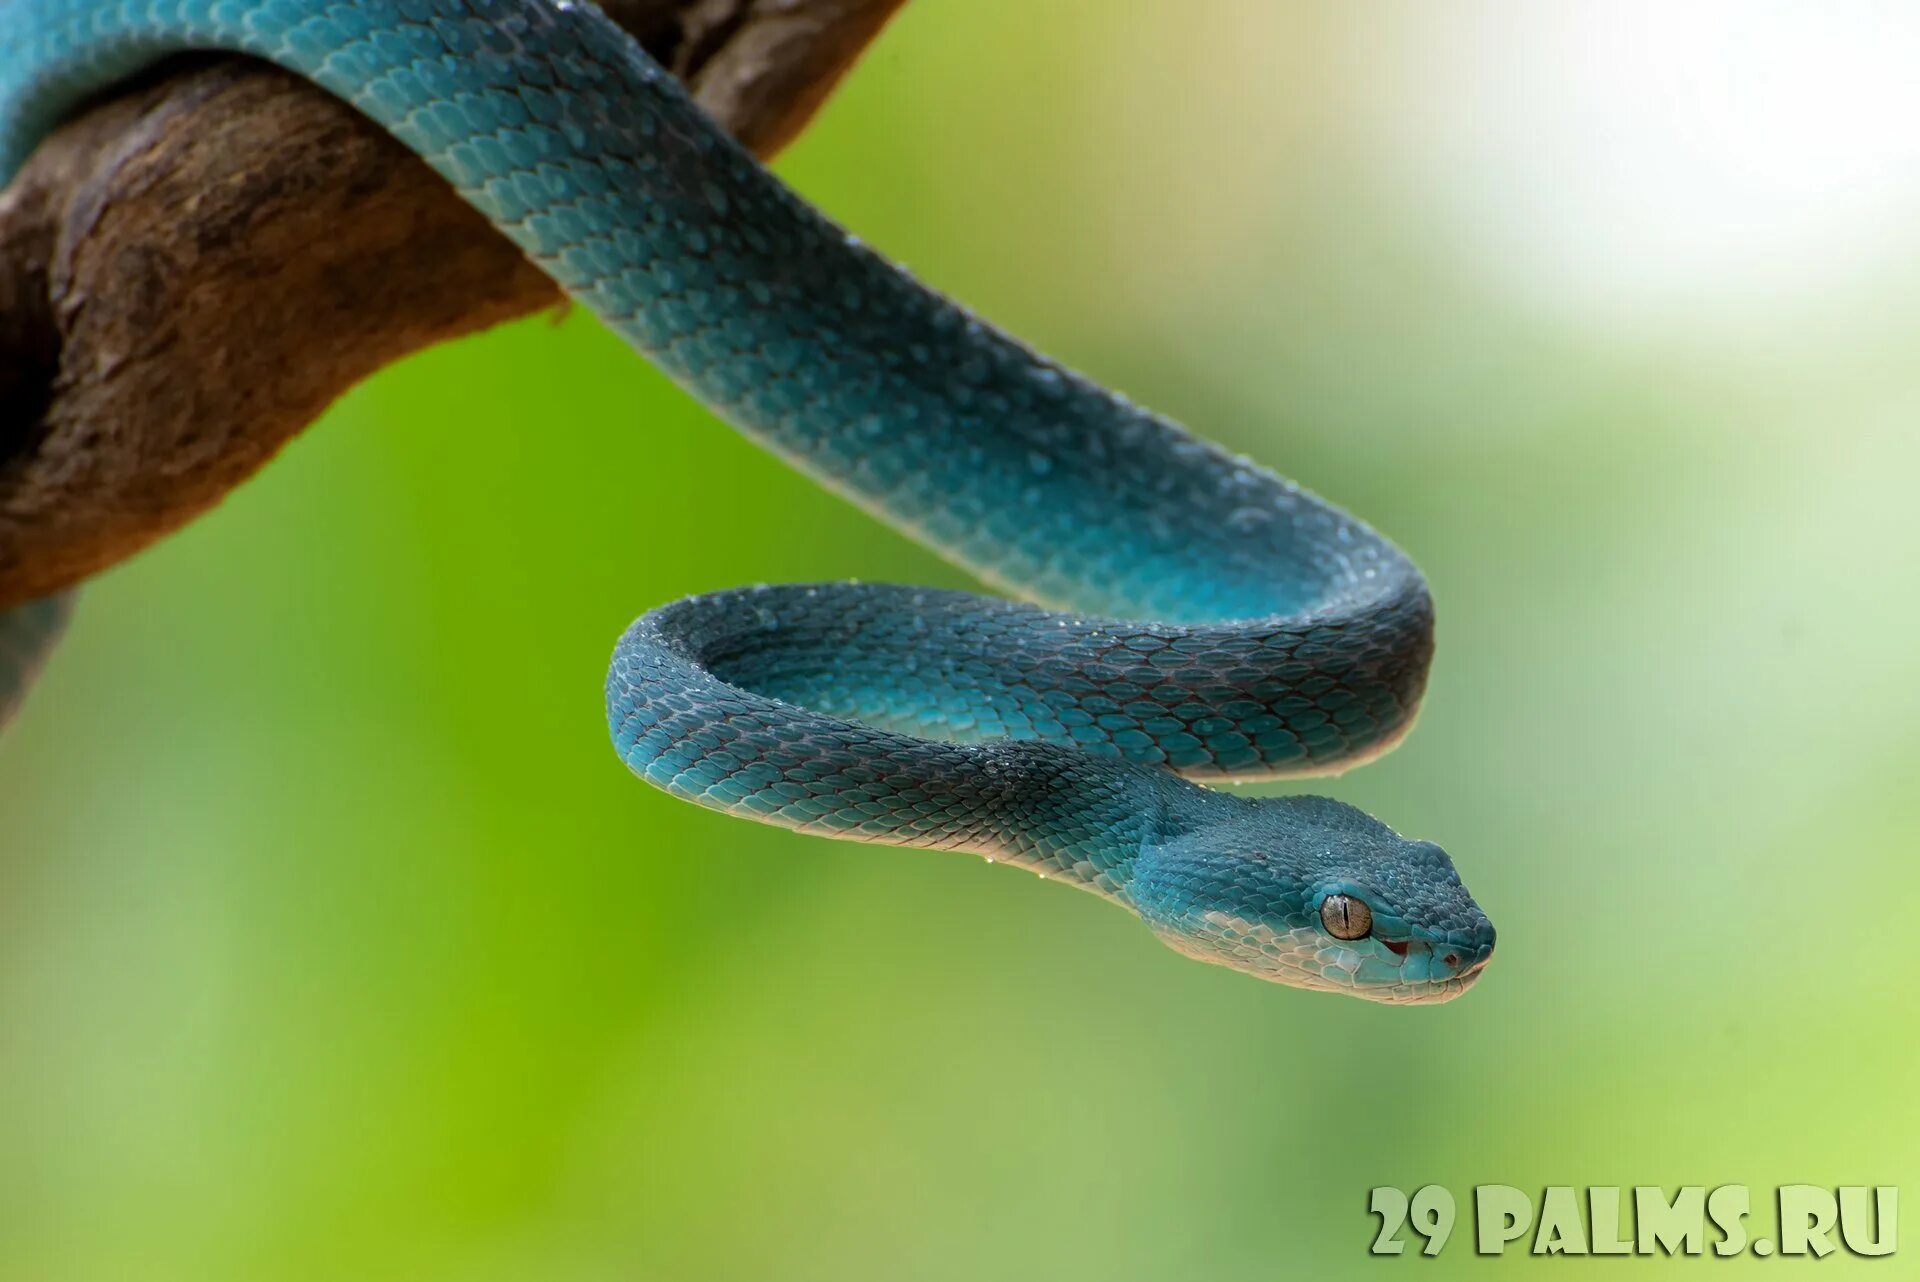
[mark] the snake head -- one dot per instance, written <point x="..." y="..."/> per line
<point x="1313" y="893"/>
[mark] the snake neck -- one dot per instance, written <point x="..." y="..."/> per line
<point x="1082" y="820"/>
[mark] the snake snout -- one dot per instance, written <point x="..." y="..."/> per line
<point x="1464" y="961"/>
<point x="1441" y="964"/>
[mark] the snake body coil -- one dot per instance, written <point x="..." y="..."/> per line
<point x="1201" y="615"/>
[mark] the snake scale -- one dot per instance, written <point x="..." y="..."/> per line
<point x="1184" y="614"/>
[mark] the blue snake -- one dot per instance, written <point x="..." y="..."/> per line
<point x="1184" y="614"/>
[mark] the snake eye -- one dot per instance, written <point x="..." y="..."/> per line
<point x="1346" y="917"/>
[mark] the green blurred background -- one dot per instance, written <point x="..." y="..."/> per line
<point x="336" y="943"/>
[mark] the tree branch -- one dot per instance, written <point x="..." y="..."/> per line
<point x="191" y="271"/>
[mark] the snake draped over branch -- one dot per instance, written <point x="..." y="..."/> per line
<point x="1182" y="614"/>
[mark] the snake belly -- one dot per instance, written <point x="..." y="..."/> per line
<point x="1183" y="612"/>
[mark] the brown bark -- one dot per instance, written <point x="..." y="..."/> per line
<point x="191" y="271"/>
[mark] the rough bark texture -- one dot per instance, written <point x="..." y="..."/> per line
<point x="191" y="271"/>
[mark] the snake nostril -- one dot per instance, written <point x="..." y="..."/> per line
<point x="1451" y="959"/>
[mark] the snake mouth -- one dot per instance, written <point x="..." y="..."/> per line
<point x="1401" y="947"/>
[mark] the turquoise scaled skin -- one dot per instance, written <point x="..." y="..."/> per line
<point x="1201" y="616"/>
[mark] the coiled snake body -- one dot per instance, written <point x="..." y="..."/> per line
<point x="1198" y="615"/>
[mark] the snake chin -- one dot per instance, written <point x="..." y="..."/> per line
<point x="1246" y="888"/>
